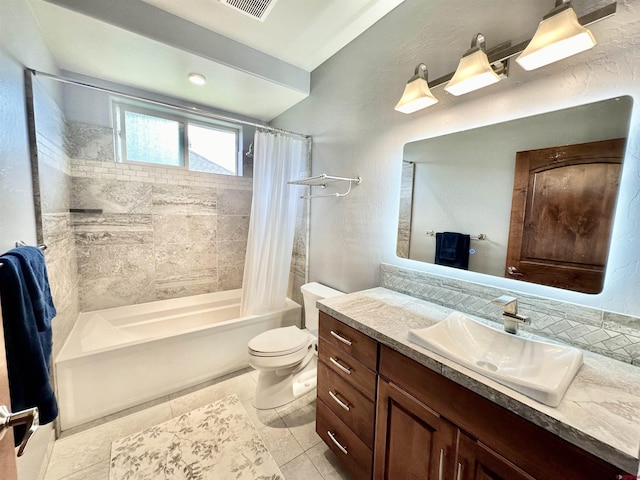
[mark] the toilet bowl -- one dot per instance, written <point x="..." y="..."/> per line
<point x="286" y="357"/>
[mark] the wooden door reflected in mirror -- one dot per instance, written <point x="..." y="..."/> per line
<point x="562" y="213"/>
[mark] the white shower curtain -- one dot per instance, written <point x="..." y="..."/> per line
<point x="276" y="160"/>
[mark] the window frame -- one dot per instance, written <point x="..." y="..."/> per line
<point x="119" y="109"/>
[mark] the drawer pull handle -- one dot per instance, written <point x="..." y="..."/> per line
<point x="441" y="466"/>
<point x="459" y="475"/>
<point x="333" y="438"/>
<point x="341" y="338"/>
<point x="340" y="366"/>
<point x="338" y="401"/>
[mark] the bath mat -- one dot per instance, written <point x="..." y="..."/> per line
<point x="215" y="442"/>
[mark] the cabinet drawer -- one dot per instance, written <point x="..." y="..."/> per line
<point x="356" y="411"/>
<point x="358" y="458"/>
<point x="349" y="340"/>
<point x="348" y="368"/>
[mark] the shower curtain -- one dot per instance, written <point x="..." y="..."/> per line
<point x="277" y="159"/>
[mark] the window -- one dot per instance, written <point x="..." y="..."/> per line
<point x="145" y="135"/>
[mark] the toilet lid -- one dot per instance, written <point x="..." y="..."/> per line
<point x="279" y="341"/>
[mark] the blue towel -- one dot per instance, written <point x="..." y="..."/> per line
<point x="452" y="250"/>
<point x="27" y="311"/>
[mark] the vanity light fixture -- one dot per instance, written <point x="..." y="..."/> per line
<point x="197" y="79"/>
<point x="558" y="36"/>
<point x="474" y="70"/>
<point x="417" y="94"/>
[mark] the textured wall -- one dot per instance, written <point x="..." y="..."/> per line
<point x="356" y="131"/>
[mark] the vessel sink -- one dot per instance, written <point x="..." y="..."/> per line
<point x="539" y="370"/>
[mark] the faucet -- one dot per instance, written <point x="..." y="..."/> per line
<point x="510" y="315"/>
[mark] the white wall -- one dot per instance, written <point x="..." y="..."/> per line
<point x="21" y="45"/>
<point x="356" y="131"/>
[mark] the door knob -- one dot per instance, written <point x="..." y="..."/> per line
<point x="514" y="271"/>
<point x="28" y="417"/>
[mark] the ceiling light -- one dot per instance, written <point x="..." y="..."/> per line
<point x="558" y="36"/>
<point x="474" y="70"/>
<point x="197" y="79"/>
<point x="416" y="94"/>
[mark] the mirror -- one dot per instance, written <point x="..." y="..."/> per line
<point x="464" y="182"/>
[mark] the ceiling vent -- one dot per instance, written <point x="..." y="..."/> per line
<point x="257" y="9"/>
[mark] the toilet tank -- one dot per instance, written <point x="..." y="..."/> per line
<point x="312" y="292"/>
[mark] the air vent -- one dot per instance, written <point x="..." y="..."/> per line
<point x="258" y="9"/>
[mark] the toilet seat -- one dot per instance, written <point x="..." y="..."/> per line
<point x="279" y="342"/>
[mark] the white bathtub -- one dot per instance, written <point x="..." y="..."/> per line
<point x="122" y="357"/>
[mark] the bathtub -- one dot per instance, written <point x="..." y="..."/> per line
<point x="121" y="357"/>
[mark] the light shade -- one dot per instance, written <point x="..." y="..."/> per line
<point x="474" y="70"/>
<point x="197" y="78"/>
<point x="417" y="94"/>
<point x="558" y="36"/>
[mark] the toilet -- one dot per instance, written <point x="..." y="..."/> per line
<point x="286" y="357"/>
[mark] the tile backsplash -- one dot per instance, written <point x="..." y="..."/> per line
<point x="607" y="333"/>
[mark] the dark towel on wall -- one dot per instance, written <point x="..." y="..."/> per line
<point x="452" y="250"/>
<point x="27" y="311"/>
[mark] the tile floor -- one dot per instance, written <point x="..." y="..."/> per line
<point x="288" y="432"/>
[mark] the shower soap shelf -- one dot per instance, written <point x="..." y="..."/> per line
<point x="322" y="180"/>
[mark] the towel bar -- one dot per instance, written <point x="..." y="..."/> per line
<point x="20" y="243"/>
<point x="480" y="236"/>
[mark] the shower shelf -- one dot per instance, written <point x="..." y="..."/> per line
<point x="322" y="180"/>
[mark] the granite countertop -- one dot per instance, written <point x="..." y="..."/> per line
<point x="600" y="411"/>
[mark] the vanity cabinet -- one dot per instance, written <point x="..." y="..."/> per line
<point x="488" y="441"/>
<point x="347" y="378"/>
<point x="388" y="417"/>
<point x="414" y="441"/>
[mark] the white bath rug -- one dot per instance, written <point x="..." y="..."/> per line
<point x="215" y="442"/>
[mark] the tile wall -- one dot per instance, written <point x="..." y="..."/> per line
<point x="607" y="333"/>
<point x="162" y="232"/>
<point x="52" y="166"/>
<point x="406" y="202"/>
<point x="148" y="232"/>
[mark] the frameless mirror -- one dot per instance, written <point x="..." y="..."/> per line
<point x="464" y="183"/>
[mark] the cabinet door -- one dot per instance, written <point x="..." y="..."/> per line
<point x="475" y="461"/>
<point x="412" y="441"/>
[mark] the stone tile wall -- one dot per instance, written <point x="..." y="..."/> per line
<point x="299" y="258"/>
<point x="406" y="205"/>
<point x="607" y="333"/>
<point x="163" y="232"/>
<point x="53" y="183"/>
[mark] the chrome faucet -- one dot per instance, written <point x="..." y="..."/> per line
<point x="510" y="315"/>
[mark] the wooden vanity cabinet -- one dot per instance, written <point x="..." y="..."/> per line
<point x="347" y="365"/>
<point x="476" y="461"/>
<point x="491" y="442"/>
<point x="412" y="440"/>
<point x="388" y="417"/>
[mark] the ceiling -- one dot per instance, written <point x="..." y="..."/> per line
<point x="253" y="68"/>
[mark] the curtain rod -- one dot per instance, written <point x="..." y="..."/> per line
<point x="196" y="110"/>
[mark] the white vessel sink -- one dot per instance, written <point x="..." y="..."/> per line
<point x="542" y="371"/>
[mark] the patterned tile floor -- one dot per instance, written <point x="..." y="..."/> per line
<point x="288" y="432"/>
